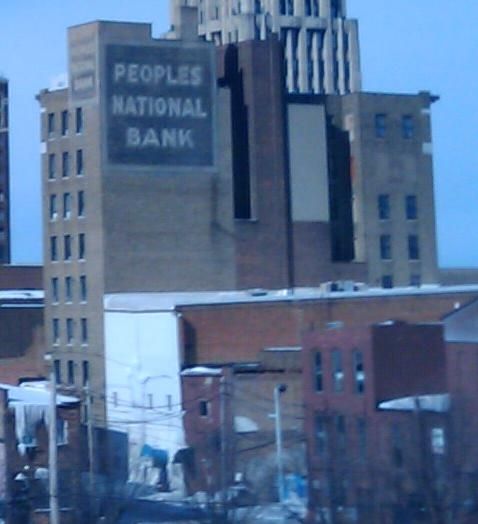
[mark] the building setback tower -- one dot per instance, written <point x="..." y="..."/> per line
<point x="321" y="46"/>
<point x="4" y="175"/>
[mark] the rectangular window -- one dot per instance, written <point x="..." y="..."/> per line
<point x="51" y="166"/>
<point x="79" y="120"/>
<point x="362" y="439"/>
<point x="337" y="371"/>
<point x="67" y="247"/>
<point x="318" y="372"/>
<point x="51" y="124"/>
<point x="79" y="162"/>
<point x="413" y="247"/>
<point x="54" y="290"/>
<point x="64" y="123"/>
<point x="66" y="205"/>
<point x="83" y="289"/>
<point x="415" y="280"/>
<point x="385" y="247"/>
<point x="53" y="207"/>
<point x="411" y="210"/>
<point x="71" y="371"/>
<point x="86" y="372"/>
<point x="53" y="249"/>
<point x="396" y="439"/>
<point x="437" y="441"/>
<point x="68" y="289"/>
<point x="359" y="374"/>
<point x="335" y="8"/>
<point x="282" y="7"/>
<point x="65" y="164"/>
<point x="407" y="126"/>
<point x="84" y="331"/>
<point x="383" y="207"/>
<point x="340" y="430"/>
<point x="387" y="281"/>
<point x="204" y="408"/>
<point x="55" y="327"/>
<point x="81" y="203"/>
<point x="320" y="434"/>
<point x="81" y="246"/>
<point x="57" y="370"/>
<point x="380" y="125"/>
<point x="70" y="330"/>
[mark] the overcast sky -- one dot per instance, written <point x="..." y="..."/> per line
<point x="406" y="46"/>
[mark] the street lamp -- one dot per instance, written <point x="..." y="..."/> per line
<point x="278" y="390"/>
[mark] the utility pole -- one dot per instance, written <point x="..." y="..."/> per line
<point x="53" y="451"/>
<point x="278" y="390"/>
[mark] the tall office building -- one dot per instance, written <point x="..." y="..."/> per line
<point x="4" y="175"/>
<point x="321" y="47"/>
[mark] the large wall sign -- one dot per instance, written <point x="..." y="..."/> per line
<point x="160" y="102"/>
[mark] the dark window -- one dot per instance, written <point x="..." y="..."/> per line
<point x="66" y="205"/>
<point x="71" y="372"/>
<point x="396" y="439"/>
<point x="57" y="370"/>
<point x="51" y="123"/>
<point x="362" y="439"/>
<point x="79" y="162"/>
<point x="79" y="120"/>
<point x="67" y="247"/>
<point x="282" y="7"/>
<point x="51" y="166"/>
<point x="320" y="434"/>
<point x="81" y="203"/>
<point x="68" y="289"/>
<point x="340" y="430"/>
<point x="53" y="249"/>
<point x="413" y="247"/>
<point x="83" y="288"/>
<point x="335" y="8"/>
<point x="204" y="408"/>
<point x="65" y="164"/>
<point x="54" y="289"/>
<point x="81" y="246"/>
<point x="337" y="371"/>
<point x="411" y="207"/>
<point x="415" y="280"/>
<point x="387" y="281"/>
<point x="70" y="330"/>
<point x="380" y="125"/>
<point x="407" y="126"/>
<point x="86" y="372"/>
<point x="318" y="372"/>
<point x="64" y="122"/>
<point x="359" y="373"/>
<point x="55" y="330"/>
<point x="383" y="207"/>
<point x="53" y="207"/>
<point x="257" y="6"/>
<point x="385" y="247"/>
<point x="84" y="331"/>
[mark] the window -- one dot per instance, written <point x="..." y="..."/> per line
<point x="413" y="247"/>
<point x="81" y="203"/>
<point x="81" y="246"/>
<point x="71" y="372"/>
<point x="335" y="8"/>
<point x="337" y="371"/>
<point x="66" y="205"/>
<point x="55" y="326"/>
<point x="54" y="290"/>
<point x="204" y="408"/>
<point x="383" y="207"/>
<point x="70" y="330"/>
<point x="396" y="438"/>
<point x="318" y="372"/>
<point x="67" y="247"/>
<point x="51" y="166"/>
<point x="79" y="162"/>
<point x="53" y="249"/>
<point x="57" y="370"/>
<point x="359" y="375"/>
<point x="51" y="124"/>
<point x="79" y="120"/>
<point x="64" y="123"/>
<point x="362" y="439"/>
<point x="415" y="280"/>
<point x="68" y="289"/>
<point x="53" y="207"/>
<point x="407" y="126"/>
<point x="85" y="372"/>
<point x="65" y="164"/>
<point x="437" y="441"/>
<point x="83" y="290"/>
<point x="320" y="434"/>
<point x="385" y="247"/>
<point x="411" y="207"/>
<point x="84" y="331"/>
<point x="380" y="125"/>
<point x="387" y="281"/>
<point x="340" y="430"/>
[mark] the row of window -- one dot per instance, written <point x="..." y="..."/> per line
<point x="70" y="329"/>
<point x="67" y="205"/>
<point x="337" y="372"/>
<point x="70" y="372"/>
<point x="67" y="247"/>
<point x="65" y="164"/>
<point x="384" y="207"/>
<point x="70" y="289"/>
<point x="386" y="247"/>
<point x="65" y="122"/>
<point x="407" y="126"/>
<point x="415" y="280"/>
<point x="311" y="8"/>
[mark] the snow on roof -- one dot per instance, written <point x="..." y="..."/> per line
<point x="37" y="395"/>
<point x="22" y="294"/>
<point x="439" y="403"/>
<point x="201" y="370"/>
<point x="140" y="302"/>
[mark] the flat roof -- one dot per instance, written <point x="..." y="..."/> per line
<point x="157" y="302"/>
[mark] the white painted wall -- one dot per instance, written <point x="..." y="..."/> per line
<point x="143" y="387"/>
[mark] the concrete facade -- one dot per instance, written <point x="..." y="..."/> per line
<point x="321" y="47"/>
<point x="4" y="175"/>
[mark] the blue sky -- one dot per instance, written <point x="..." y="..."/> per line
<point x="406" y="46"/>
